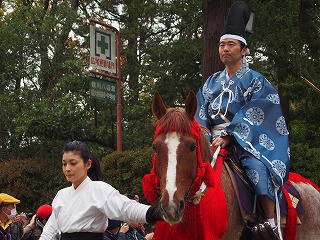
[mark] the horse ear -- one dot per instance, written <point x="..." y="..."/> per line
<point x="191" y="105"/>
<point x="158" y="107"/>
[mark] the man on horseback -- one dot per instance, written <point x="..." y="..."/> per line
<point x="240" y="107"/>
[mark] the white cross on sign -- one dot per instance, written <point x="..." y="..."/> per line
<point x="103" y="49"/>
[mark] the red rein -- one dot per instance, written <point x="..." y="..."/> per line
<point x="205" y="221"/>
<point x="205" y="173"/>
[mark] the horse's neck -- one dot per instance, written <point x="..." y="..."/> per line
<point x="206" y="150"/>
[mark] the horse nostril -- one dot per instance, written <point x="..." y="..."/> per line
<point x="181" y="206"/>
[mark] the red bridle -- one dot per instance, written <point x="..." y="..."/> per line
<point x="204" y="172"/>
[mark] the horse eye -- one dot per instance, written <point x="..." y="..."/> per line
<point x="154" y="147"/>
<point x="193" y="147"/>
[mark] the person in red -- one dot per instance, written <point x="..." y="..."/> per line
<point x="33" y="230"/>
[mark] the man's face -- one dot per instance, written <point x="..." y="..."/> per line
<point x="230" y="52"/>
<point x="7" y="209"/>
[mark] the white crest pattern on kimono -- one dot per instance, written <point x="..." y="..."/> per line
<point x="252" y="105"/>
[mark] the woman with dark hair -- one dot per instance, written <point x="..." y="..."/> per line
<point x="81" y="211"/>
<point x="94" y="172"/>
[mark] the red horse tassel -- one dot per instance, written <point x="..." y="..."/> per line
<point x="205" y="171"/>
<point x="151" y="183"/>
<point x="295" y="177"/>
<point x="290" y="230"/>
<point x="207" y="220"/>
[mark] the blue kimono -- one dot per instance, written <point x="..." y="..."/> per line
<point x="252" y="105"/>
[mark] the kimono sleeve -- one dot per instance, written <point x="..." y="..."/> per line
<point x="119" y="207"/>
<point x="201" y="112"/>
<point x="260" y="127"/>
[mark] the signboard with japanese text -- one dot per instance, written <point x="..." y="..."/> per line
<point x="103" y="49"/>
<point x="103" y="89"/>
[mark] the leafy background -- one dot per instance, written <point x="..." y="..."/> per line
<point x="168" y="46"/>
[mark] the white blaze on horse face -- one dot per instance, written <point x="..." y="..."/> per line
<point x="172" y="141"/>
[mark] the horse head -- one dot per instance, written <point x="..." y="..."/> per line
<point x="181" y="148"/>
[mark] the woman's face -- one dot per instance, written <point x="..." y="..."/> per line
<point x="74" y="167"/>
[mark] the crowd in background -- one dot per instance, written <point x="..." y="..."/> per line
<point x="23" y="226"/>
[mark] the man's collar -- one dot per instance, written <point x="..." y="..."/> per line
<point x="5" y="225"/>
<point x="240" y="72"/>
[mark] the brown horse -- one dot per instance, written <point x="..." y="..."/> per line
<point x="181" y="166"/>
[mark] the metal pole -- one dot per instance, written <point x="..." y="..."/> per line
<point x="118" y="78"/>
<point x="119" y="107"/>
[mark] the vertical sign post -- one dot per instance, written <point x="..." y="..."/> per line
<point x="105" y="56"/>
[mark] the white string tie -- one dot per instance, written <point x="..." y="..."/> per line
<point x="217" y="102"/>
<point x="278" y="212"/>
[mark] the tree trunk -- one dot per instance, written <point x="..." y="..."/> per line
<point x="131" y="52"/>
<point x="215" y="13"/>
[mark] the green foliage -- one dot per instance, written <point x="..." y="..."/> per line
<point x="304" y="132"/>
<point x="137" y="125"/>
<point x="306" y="161"/>
<point x="174" y="56"/>
<point x="124" y="170"/>
<point x="33" y="181"/>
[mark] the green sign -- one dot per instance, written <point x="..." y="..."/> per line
<point x="103" y="89"/>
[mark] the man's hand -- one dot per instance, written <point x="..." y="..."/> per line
<point x="124" y="228"/>
<point x="22" y="217"/>
<point x="149" y="236"/>
<point x="221" y="141"/>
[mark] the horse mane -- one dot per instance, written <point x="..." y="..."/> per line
<point x="176" y="120"/>
<point x="206" y="150"/>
